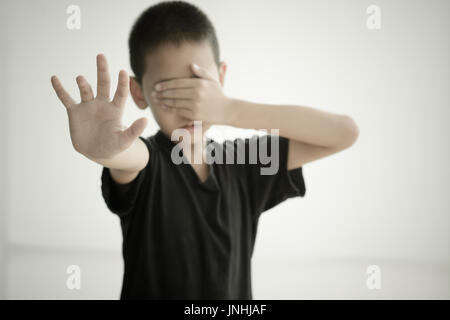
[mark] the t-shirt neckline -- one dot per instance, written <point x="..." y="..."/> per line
<point x="167" y="144"/>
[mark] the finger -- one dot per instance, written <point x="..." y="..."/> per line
<point x="103" y="79"/>
<point x="65" y="98"/>
<point x="122" y="89"/>
<point x="202" y="72"/>
<point x="134" y="131"/>
<point x="178" y="93"/>
<point x="86" y="93"/>
<point x="177" y="103"/>
<point x="177" y="83"/>
<point x="185" y="112"/>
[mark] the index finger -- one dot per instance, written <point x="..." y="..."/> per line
<point x="62" y="94"/>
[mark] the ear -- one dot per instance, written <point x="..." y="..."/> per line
<point x="137" y="93"/>
<point x="222" y="72"/>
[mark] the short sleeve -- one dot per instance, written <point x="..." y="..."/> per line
<point x="268" y="181"/>
<point x="121" y="198"/>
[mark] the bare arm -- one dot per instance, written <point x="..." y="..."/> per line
<point x="312" y="133"/>
<point x="96" y="128"/>
<point x="125" y="166"/>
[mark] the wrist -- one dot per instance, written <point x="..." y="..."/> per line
<point x="231" y="112"/>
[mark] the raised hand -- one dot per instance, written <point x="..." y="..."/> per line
<point x="95" y="124"/>
<point x="200" y="98"/>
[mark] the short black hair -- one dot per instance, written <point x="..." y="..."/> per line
<point x="166" y="22"/>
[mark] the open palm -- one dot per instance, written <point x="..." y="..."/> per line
<point x="95" y="123"/>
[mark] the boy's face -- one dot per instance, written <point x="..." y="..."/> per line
<point x="171" y="62"/>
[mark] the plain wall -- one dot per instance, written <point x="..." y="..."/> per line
<point x="382" y="202"/>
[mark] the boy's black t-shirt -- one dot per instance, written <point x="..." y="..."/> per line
<point x="187" y="239"/>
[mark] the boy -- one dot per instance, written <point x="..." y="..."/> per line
<point x="189" y="228"/>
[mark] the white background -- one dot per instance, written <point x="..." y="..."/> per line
<point x="382" y="202"/>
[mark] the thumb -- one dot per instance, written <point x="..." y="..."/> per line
<point x="201" y="72"/>
<point x="127" y="136"/>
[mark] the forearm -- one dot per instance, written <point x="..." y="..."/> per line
<point x="300" y="123"/>
<point x="131" y="160"/>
